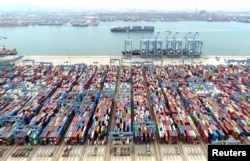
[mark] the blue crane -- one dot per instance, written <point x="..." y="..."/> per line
<point x="128" y="47"/>
<point x="28" y="61"/>
<point x="112" y="61"/>
<point x="193" y="45"/>
<point x="70" y="67"/>
<point x="158" y="45"/>
<point x="144" y="44"/>
<point x="50" y="64"/>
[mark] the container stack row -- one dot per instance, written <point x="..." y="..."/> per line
<point x="123" y="106"/>
<point x="99" y="77"/>
<point x="171" y="81"/>
<point x="98" y="131"/>
<point x="55" y="130"/>
<point x="123" y="109"/>
<point x="111" y="79"/>
<point x="209" y="106"/>
<point x="83" y="104"/>
<point x="167" y="131"/>
<point x="6" y="134"/>
<point x="123" y="113"/>
<point x="86" y="77"/>
<point x="77" y="130"/>
<point x="142" y="125"/>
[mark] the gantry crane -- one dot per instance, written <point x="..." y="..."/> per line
<point x="112" y="61"/>
<point x="173" y="45"/>
<point x="144" y="46"/>
<point x="128" y="47"/>
<point x="193" y="44"/>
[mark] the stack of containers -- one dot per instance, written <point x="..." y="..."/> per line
<point x="13" y="107"/>
<point x="98" y="80"/>
<point x="123" y="106"/>
<point x="99" y="128"/>
<point x="54" y="131"/>
<point x="83" y="104"/>
<point x="123" y="109"/>
<point x="45" y="100"/>
<point x="24" y="135"/>
<point x="79" y="125"/>
<point x="125" y="74"/>
<point x="45" y="94"/>
<point x="173" y="100"/>
<point x="91" y="96"/>
<point x="142" y="131"/>
<point x="3" y="104"/>
<point x="86" y="78"/>
<point x="7" y="134"/>
<point x="111" y="79"/>
<point x="236" y="85"/>
<point x="187" y="130"/>
<point x="28" y="112"/>
<point x="171" y="84"/>
<point x="165" y="125"/>
<point x="218" y="127"/>
<point x="39" y="121"/>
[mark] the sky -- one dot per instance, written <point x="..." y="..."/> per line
<point x="168" y="5"/>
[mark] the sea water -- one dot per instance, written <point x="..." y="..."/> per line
<point x="219" y="38"/>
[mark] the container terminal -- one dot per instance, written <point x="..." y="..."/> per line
<point x="118" y="111"/>
<point x="122" y="110"/>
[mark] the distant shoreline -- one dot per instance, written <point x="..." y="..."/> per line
<point x="105" y="59"/>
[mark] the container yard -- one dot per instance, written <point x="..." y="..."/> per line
<point x="141" y="111"/>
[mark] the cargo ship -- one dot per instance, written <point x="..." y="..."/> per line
<point x="80" y="23"/>
<point x="6" y="52"/>
<point x="13" y="24"/>
<point x="133" y="29"/>
<point x="164" y="52"/>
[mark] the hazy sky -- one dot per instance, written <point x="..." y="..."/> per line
<point x="233" y="5"/>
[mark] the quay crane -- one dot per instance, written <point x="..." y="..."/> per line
<point x="128" y="47"/>
<point x="144" y="45"/>
<point x="112" y="61"/>
<point x="193" y="44"/>
<point x="158" y="45"/>
<point x="174" y="45"/>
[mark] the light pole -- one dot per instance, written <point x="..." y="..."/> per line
<point x="69" y="59"/>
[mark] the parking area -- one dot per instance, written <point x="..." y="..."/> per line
<point x="5" y="151"/>
<point x="45" y="153"/>
<point x="21" y="153"/>
<point x="94" y="153"/>
<point x="120" y="158"/>
<point x="71" y="153"/>
<point x="171" y="152"/>
<point x="145" y="153"/>
<point x="194" y="153"/>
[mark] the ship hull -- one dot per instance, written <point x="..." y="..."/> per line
<point x="133" y="29"/>
<point x="138" y="53"/>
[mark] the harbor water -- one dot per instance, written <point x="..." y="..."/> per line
<point x="219" y="38"/>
